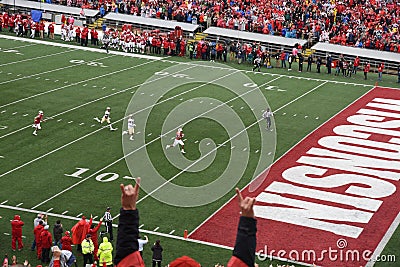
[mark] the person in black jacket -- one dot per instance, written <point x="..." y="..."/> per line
<point x="157" y="253"/>
<point x="57" y="233"/>
<point x="128" y="231"/>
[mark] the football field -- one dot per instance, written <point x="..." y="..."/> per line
<point x="74" y="165"/>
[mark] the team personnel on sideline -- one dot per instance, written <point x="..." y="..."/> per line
<point x="267" y="116"/>
<point x="16" y="233"/>
<point x="131" y="127"/>
<point x="106" y="118"/>
<point x="36" y="122"/>
<point x="178" y="141"/>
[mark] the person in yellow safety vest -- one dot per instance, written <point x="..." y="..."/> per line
<point x="105" y="253"/>
<point x="87" y="250"/>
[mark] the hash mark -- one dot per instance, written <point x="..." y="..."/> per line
<point x="79" y="215"/>
<point x="141" y="225"/>
<point x="170" y="233"/>
<point x="14" y="113"/>
<point x="19" y="204"/>
<point x="294" y="115"/>
<point x="4" y="202"/>
<point x="82" y="123"/>
<point x="56" y="81"/>
<point x="95" y="217"/>
<point x="49" y="210"/>
<point x="59" y="120"/>
<point x="6" y="233"/>
<point x="244" y="149"/>
<point x="149" y="134"/>
<point x="65" y="212"/>
<point x="317" y="118"/>
<point x="257" y="151"/>
<point x="155" y="229"/>
<point x="26" y="114"/>
<point x="305" y="117"/>
<point x="70" y="122"/>
<point x="269" y="153"/>
<point x="196" y="141"/>
<point x="232" y="147"/>
<point x="47" y="79"/>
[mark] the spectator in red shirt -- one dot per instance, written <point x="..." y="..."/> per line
<point x="37" y="231"/>
<point x="46" y="242"/>
<point x="51" y="31"/>
<point x="16" y="233"/>
<point x="66" y="242"/>
<point x="93" y="231"/>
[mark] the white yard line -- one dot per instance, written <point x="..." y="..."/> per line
<point x="53" y="70"/>
<point x="100" y="170"/>
<point x="76" y="83"/>
<point x="301" y="140"/>
<point x="36" y="58"/>
<point x="15" y="47"/>
<point x="90" y="102"/>
<point x="225" y="142"/>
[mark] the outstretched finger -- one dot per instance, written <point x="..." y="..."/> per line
<point x="122" y="186"/>
<point x="239" y="194"/>
<point x="137" y="185"/>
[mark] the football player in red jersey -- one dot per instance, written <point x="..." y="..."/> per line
<point x="178" y="140"/>
<point x="36" y="122"/>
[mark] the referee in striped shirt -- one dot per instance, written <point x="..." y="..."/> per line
<point x="107" y="218"/>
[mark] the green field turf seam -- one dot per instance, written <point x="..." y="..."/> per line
<point x="36" y="58"/>
<point x="49" y="71"/>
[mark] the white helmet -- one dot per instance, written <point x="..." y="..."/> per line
<point x="108" y="108"/>
<point x="179" y="129"/>
<point x="40" y="112"/>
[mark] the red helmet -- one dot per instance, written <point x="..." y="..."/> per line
<point x="17" y="217"/>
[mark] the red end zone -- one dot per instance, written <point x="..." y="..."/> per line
<point x="332" y="198"/>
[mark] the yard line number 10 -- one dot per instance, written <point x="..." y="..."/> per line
<point x="102" y="177"/>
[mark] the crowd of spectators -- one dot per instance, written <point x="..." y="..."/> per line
<point x="371" y="24"/>
<point x="129" y="246"/>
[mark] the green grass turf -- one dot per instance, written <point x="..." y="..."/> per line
<point x="300" y="106"/>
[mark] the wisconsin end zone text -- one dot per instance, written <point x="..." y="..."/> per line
<point x="340" y="182"/>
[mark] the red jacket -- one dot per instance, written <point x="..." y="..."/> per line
<point x="66" y="242"/>
<point x="45" y="239"/>
<point x="38" y="229"/>
<point x="80" y="230"/>
<point x="16" y="226"/>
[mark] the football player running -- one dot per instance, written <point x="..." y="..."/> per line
<point x="36" y="122"/>
<point x="131" y="127"/>
<point x="106" y="118"/>
<point x="178" y="140"/>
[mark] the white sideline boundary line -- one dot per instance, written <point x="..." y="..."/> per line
<point x="73" y="218"/>
<point x="76" y="140"/>
<point x="284" y="154"/>
<point x="90" y="102"/>
<point x="91" y="49"/>
<point x="53" y="70"/>
<point x="76" y="83"/>
<point x="16" y="47"/>
<point x="301" y="140"/>
<point x="389" y="233"/>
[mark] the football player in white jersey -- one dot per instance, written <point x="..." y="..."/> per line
<point x="131" y="127"/>
<point x="106" y="118"/>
